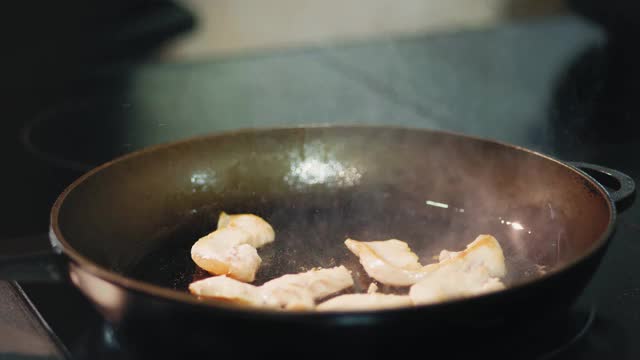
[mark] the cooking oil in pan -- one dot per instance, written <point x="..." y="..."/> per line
<point x="311" y="229"/>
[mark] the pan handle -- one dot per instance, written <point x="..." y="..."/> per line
<point x="620" y="186"/>
<point x="41" y="266"/>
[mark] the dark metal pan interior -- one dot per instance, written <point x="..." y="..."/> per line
<point x="139" y="216"/>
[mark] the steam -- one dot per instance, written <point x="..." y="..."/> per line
<point x="314" y="165"/>
<point x="434" y="191"/>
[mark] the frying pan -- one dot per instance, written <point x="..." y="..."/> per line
<point x="122" y="232"/>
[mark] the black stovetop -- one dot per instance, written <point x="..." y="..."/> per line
<point x="557" y="85"/>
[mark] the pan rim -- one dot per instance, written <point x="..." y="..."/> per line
<point x="149" y="289"/>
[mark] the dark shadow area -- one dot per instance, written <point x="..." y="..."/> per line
<point x="596" y="101"/>
<point x="550" y="337"/>
<point x="603" y="339"/>
<point x="595" y="104"/>
<point x="92" y="124"/>
<point x="619" y="17"/>
<point x="57" y="51"/>
<point x="598" y="95"/>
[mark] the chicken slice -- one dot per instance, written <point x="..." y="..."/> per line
<point x="288" y="298"/>
<point x="289" y="292"/>
<point x="390" y="262"/>
<point x="223" y="252"/>
<point x="449" y="283"/>
<point x="484" y="250"/>
<point x="473" y="271"/>
<point x="314" y="284"/>
<point x="259" y="231"/>
<point x="231" y="249"/>
<point x="244" y="262"/>
<point x="226" y="288"/>
<point x="229" y="289"/>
